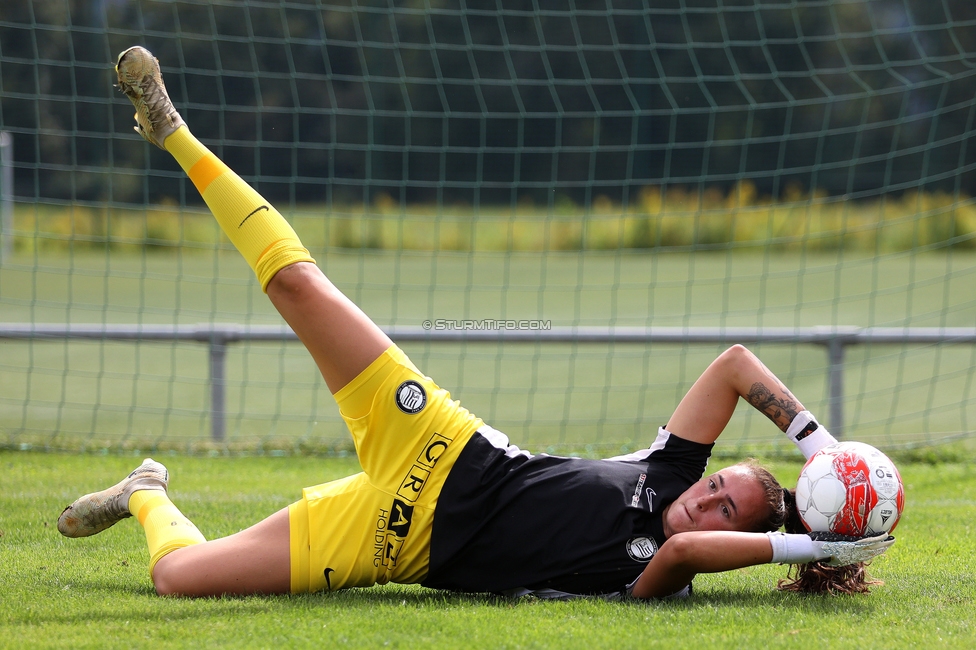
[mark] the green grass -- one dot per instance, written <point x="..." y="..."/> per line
<point x="95" y="592"/>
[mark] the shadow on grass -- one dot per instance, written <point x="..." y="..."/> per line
<point x="95" y="599"/>
<point x="733" y="599"/>
<point x="743" y="600"/>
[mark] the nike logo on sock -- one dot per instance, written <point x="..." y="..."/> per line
<point x="263" y="207"/>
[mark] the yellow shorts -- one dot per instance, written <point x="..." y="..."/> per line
<point x="374" y="527"/>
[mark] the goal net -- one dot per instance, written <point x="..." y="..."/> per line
<point x="738" y="168"/>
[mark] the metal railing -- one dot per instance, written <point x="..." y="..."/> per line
<point x="835" y="340"/>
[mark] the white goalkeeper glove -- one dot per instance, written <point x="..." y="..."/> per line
<point x="807" y="434"/>
<point x="837" y="550"/>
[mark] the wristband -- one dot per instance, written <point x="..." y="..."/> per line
<point x="807" y="434"/>
<point x="792" y="549"/>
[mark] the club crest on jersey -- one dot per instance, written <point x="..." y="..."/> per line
<point x="641" y="549"/>
<point x="411" y="397"/>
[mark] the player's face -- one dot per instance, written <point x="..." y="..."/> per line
<point x="731" y="499"/>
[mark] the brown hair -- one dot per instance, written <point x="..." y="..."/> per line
<point x="815" y="577"/>
<point x="777" y="512"/>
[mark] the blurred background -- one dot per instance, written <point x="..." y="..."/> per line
<point x="727" y="166"/>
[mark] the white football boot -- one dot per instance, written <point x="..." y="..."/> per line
<point x="142" y="83"/>
<point x="95" y="512"/>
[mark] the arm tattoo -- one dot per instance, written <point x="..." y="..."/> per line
<point x="781" y="410"/>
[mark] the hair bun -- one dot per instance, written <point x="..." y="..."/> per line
<point x="793" y="523"/>
<point x="789" y="500"/>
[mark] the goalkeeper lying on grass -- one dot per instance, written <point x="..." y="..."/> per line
<point x="444" y="500"/>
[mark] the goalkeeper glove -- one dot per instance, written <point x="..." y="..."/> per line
<point x="837" y="550"/>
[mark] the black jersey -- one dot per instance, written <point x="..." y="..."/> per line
<point x="511" y="522"/>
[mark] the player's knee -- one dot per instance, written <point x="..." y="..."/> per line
<point x="168" y="578"/>
<point x="164" y="584"/>
<point x="293" y="279"/>
<point x="300" y="282"/>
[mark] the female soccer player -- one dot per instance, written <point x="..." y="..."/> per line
<point x="444" y="500"/>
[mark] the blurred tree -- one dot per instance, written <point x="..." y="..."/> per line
<point x="500" y="101"/>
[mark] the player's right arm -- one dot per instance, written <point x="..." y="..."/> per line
<point x="705" y="410"/>
<point x="685" y="555"/>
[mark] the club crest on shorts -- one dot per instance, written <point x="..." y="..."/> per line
<point x="411" y="397"/>
<point x="641" y="549"/>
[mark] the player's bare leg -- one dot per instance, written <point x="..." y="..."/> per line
<point x="253" y="561"/>
<point x="341" y="339"/>
<point x="181" y="561"/>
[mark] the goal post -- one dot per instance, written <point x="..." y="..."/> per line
<point x="6" y="195"/>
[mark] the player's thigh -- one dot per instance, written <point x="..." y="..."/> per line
<point x="253" y="561"/>
<point x="342" y="340"/>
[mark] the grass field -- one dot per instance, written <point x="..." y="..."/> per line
<point x="95" y="592"/>
<point x="118" y="397"/>
<point x="95" y="395"/>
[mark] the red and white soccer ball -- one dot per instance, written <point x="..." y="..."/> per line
<point x="850" y="488"/>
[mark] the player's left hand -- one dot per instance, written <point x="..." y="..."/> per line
<point x="842" y="550"/>
<point x="830" y="548"/>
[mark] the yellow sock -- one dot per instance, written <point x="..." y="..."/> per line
<point x="166" y="527"/>
<point x="253" y="225"/>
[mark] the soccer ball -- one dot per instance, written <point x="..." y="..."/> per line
<point x="850" y="488"/>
